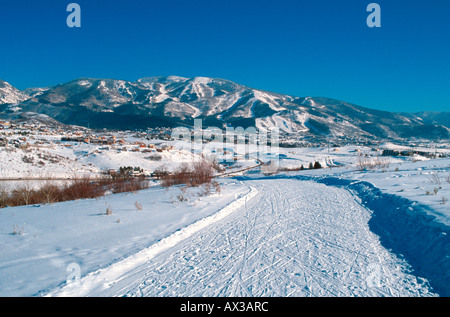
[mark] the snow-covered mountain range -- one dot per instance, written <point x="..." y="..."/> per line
<point x="10" y="94"/>
<point x="173" y="101"/>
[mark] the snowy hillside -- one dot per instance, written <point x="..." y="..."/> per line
<point x="173" y="101"/>
<point x="65" y="161"/>
<point x="11" y="95"/>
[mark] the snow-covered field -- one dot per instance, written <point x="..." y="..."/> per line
<point x="50" y="237"/>
<point x="291" y="239"/>
<point x="63" y="162"/>
<point x="335" y="231"/>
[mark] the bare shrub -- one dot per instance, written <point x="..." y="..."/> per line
<point x="217" y="167"/>
<point x="17" y="230"/>
<point x="180" y="176"/>
<point x="444" y="200"/>
<point x="108" y="210"/>
<point x="126" y="183"/>
<point x="48" y="192"/>
<point x="434" y="178"/>
<point x="436" y="190"/>
<point x="4" y="196"/>
<point x="217" y="187"/>
<point x="203" y="172"/>
<point x="362" y="162"/>
<point x="160" y="172"/>
<point x="52" y="158"/>
<point x="365" y="162"/>
<point x="82" y="188"/>
<point x="138" y="205"/>
<point x="22" y="195"/>
<point x="197" y="174"/>
<point x="206" y="191"/>
<point x="28" y="159"/>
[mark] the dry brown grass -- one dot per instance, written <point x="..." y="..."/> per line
<point x="81" y="188"/>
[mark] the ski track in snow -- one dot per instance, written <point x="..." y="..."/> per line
<point x="284" y="238"/>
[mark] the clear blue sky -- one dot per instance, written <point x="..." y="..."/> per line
<point x="298" y="47"/>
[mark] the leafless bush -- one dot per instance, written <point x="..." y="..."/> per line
<point x="4" y="196"/>
<point x="197" y="174"/>
<point x="181" y="176"/>
<point x="17" y="230"/>
<point x="138" y="205"/>
<point x="48" y="192"/>
<point x="108" y="210"/>
<point x="126" y="183"/>
<point x="217" y="167"/>
<point x="206" y="191"/>
<point x="444" y="200"/>
<point x="365" y="162"/>
<point x="28" y="159"/>
<point x="52" y="158"/>
<point x="23" y="195"/>
<point x="82" y="188"/>
<point x="79" y="188"/>
<point x="181" y="198"/>
<point x="217" y="187"/>
<point x="203" y="172"/>
<point x="434" y="178"/>
<point x="436" y="190"/>
<point x="160" y="172"/>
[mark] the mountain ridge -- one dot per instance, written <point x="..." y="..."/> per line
<point x="173" y="100"/>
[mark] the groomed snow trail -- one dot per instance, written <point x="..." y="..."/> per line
<point x="293" y="238"/>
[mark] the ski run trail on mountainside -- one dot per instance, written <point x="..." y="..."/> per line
<point x="284" y="238"/>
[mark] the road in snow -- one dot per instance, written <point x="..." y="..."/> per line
<point x="292" y="238"/>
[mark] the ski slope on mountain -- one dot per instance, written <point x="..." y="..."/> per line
<point x="284" y="238"/>
<point x="172" y="101"/>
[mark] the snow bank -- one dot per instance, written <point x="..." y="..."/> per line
<point x="408" y="229"/>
